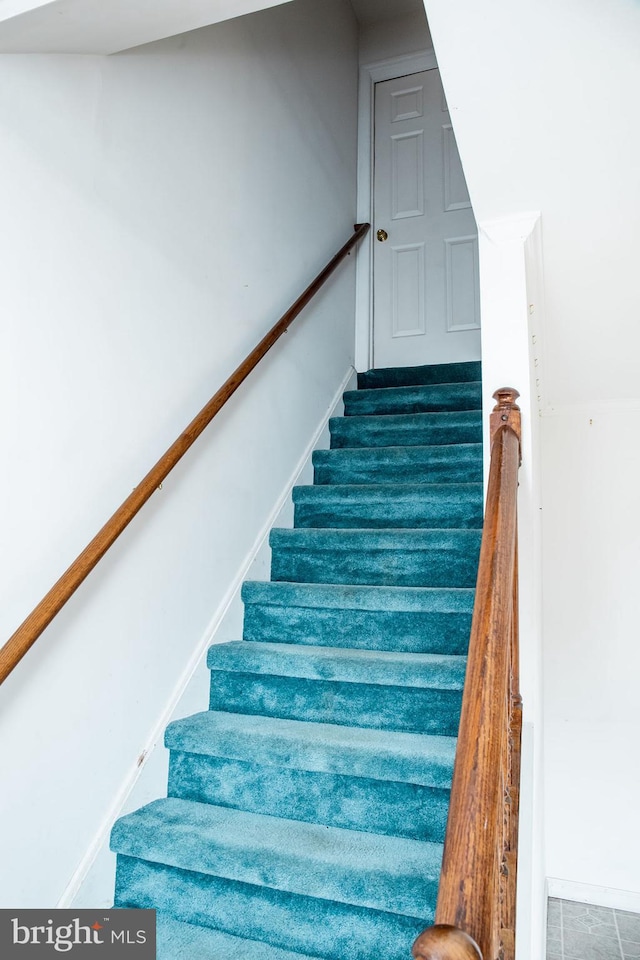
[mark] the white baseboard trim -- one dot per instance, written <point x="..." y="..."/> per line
<point x="589" y="893"/>
<point x="102" y="833"/>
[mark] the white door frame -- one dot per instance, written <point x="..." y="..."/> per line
<point x="370" y="74"/>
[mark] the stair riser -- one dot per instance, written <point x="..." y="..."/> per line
<point x="411" y="513"/>
<point x="433" y="373"/>
<point x="325" y="928"/>
<point x="374" y="432"/>
<point x="402" y="631"/>
<point x="375" y="567"/>
<point x="413" y="710"/>
<point x="427" y="399"/>
<point x="185" y="941"/>
<point x="377" y="466"/>
<point x="356" y="803"/>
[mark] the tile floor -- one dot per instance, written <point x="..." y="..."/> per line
<point x="579" y="931"/>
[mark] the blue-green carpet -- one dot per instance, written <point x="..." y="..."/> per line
<point x="307" y="806"/>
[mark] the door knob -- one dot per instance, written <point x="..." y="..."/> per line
<point x="382" y="235"/>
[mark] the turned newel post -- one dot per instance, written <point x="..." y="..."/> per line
<point x="445" y="942"/>
<point x="506" y="412"/>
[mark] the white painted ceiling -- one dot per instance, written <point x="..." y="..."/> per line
<point x="373" y="11"/>
<point x="108" y="26"/>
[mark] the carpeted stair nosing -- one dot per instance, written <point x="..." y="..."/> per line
<point x="379" y="872"/>
<point x="370" y="667"/>
<point x="447" y="463"/>
<point x="419" y="429"/>
<point x="320" y="747"/>
<point x="376" y="506"/>
<point x="423" y="557"/>
<point x="406" y="619"/>
<point x="383" y="491"/>
<point x="460" y="372"/>
<point x="389" y="538"/>
<point x="359" y="596"/>
<point x="416" y="399"/>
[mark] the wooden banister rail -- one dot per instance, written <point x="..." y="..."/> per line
<point x="475" y="912"/>
<point x="26" y="635"/>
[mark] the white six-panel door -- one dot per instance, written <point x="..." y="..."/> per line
<point x="426" y="293"/>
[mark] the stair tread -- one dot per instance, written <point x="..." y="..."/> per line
<point x="418" y="619"/>
<point x="178" y="940"/>
<point x="384" y="506"/>
<point x="424" y="759"/>
<point x="408" y="429"/>
<point x="393" y="556"/>
<point x="446" y="418"/>
<point x="459" y="372"/>
<point x="420" y="398"/>
<point x="380" y="872"/>
<point x="346" y="665"/>
<point x="451" y="463"/>
<point x="389" y="491"/>
<point x="389" y="538"/>
<point x="409" y="389"/>
<point x="359" y="596"/>
<point x="417" y="452"/>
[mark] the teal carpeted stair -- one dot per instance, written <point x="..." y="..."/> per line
<point x="307" y="807"/>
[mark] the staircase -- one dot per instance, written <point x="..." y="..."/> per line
<point x="307" y="807"/>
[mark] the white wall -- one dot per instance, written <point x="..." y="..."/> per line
<point x="592" y="655"/>
<point x="160" y="209"/>
<point x="543" y="98"/>
<point x="92" y="886"/>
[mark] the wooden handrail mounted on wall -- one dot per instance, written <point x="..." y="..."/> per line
<point x="475" y="912"/>
<point x="41" y="616"/>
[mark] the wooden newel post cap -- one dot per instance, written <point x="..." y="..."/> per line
<point x="445" y="942"/>
<point x="506" y="411"/>
<point x="506" y="397"/>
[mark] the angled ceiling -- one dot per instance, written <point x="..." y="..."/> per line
<point x="108" y="26"/>
<point x="375" y="11"/>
